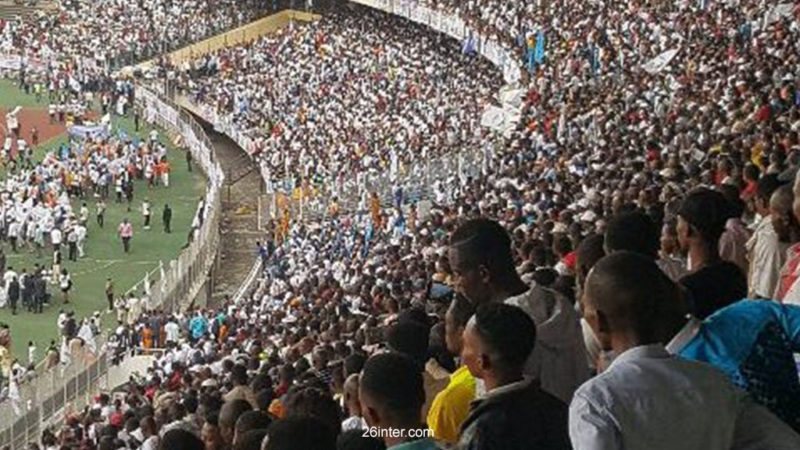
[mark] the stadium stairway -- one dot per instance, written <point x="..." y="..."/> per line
<point x="9" y="9"/>
<point x="239" y="227"/>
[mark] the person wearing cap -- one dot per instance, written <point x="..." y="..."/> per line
<point x="712" y="283"/>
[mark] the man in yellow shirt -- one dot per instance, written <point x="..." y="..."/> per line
<point x="451" y="406"/>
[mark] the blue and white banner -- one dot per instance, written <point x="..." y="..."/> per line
<point x="85" y="132"/>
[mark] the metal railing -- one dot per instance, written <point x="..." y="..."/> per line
<point x="180" y="280"/>
<point x="57" y="391"/>
<point x="52" y="396"/>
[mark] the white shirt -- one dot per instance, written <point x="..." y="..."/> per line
<point x="766" y="255"/>
<point x="150" y="444"/>
<point x="55" y="236"/>
<point x="172" y="331"/>
<point x="647" y="399"/>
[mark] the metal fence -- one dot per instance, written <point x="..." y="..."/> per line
<point x="53" y="395"/>
<point x="56" y="392"/>
<point x="180" y="280"/>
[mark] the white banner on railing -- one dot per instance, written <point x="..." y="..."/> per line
<point x="452" y="25"/>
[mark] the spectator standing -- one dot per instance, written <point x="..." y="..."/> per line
<point x="765" y="252"/>
<point x="515" y="413"/>
<point x="166" y="218"/>
<point x="484" y="270"/>
<point x="101" y="212"/>
<point x="110" y="294"/>
<point x="146" y="212"/>
<point x="392" y="394"/>
<point x="451" y="406"/>
<point x="65" y="283"/>
<point x="712" y="282"/>
<point x="125" y="231"/>
<point x="689" y="405"/>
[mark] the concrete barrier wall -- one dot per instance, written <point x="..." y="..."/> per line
<point x="245" y="33"/>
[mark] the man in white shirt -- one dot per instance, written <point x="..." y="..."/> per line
<point x="148" y="429"/>
<point x="646" y="398"/>
<point x="80" y="232"/>
<point x="483" y="265"/>
<point x="55" y="238"/>
<point x="146" y="213"/>
<point x="172" y="331"/>
<point x="765" y="252"/>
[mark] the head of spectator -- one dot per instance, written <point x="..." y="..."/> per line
<point x="299" y="432"/>
<point x="455" y="321"/>
<point x="355" y="440"/>
<point x="482" y="262"/>
<point x="351" y="402"/>
<point x="228" y="415"/>
<point x="250" y="440"/>
<point x="410" y="338"/>
<point x="315" y="402"/>
<point x="391" y="392"/>
<point x="781" y="208"/>
<point x="766" y="186"/>
<point x="589" y="252"/>
<point x="180" y="439"/>
<point x="249" y="421"/>
<point x="354" y="362"/>
<point x="264" y="398"/>
<point x="497" y="341"/>
<point x="623" y="296"/>
<point x="210" y="434"/>
<point x="701" y="221"/>
<point x="632" y="231"/>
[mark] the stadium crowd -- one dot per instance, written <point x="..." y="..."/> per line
<point x="355" y="92"/>
<point x="625" y="276"/>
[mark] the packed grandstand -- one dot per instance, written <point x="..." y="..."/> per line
<point x="606" y="256"/>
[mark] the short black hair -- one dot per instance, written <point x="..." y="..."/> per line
<point x="211" y="418"/>
<point x="354" y="362"/>
<point x="355" y="440"/>
<point x="190" y="403"/>
<point x="631" y="290"/>
<point x="767" y="185"/>
<point x="251" y="440"/>
<point x="590" y="250"/>
<point x="264" y="398"/>
<point x="315" y="402"/>
<point x="301" y="432"/>
<point x="395" y="381"/>
<point x="483" y="241"/>
<point x="252" y="420"/>
<point x="633" y="231"/>
<point x="410" y="338"/>
<point x="508" y="332"/>
<point x="706" y="211"/>
<point x="736" y="206"/>
<point x="180" y="439"/>
<point x="462" y="309"/>
<point x="231" y="411"/>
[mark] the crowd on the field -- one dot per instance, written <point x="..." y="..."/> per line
<point x="626" y="276"/>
